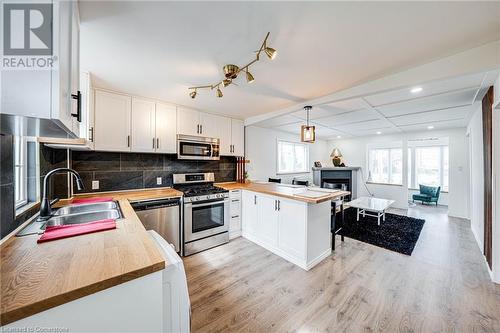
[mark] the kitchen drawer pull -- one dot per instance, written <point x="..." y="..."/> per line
<point x="235" y="216"/>
<point x="235" y="200"/>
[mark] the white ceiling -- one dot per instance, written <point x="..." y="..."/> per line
<point x="158" y="49"/>
<point x="441" y="104"/>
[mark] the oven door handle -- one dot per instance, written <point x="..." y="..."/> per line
<point x="210" y="203"/>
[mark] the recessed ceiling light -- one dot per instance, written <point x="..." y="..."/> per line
<point x="338" y="137"/>
<point x="416" y="90"/>
<point x="430" y="127"/>
<point x="379" y="133"/>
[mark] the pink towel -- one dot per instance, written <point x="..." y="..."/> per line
<point x="63" y="231"/>
<point x="91" y="200"/>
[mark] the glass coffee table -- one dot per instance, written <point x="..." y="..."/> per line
<point x="370" y="206"/>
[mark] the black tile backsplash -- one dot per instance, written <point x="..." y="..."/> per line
<point x="95" y="161"/>
<point x="7" y="222"/>
<point x="125" y="171"/>
<point x="51" y="159"/>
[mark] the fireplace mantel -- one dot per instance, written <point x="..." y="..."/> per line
<point x="338" y="175"/>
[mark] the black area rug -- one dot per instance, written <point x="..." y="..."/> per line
<point x="397" y="233"/>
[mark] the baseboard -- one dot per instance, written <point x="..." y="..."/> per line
<point x="319" y="258"/>
<point x="294" y="260"/>
<point x="234" y="234"/>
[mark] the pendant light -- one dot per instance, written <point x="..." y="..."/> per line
<point x="307" y="133"/>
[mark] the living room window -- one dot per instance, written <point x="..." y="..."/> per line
<point x="428" y="165"/>
<point x="385" y="165"/>
<point x="292" y="157"/>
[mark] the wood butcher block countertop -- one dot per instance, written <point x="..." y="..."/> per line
<point x="36" y="277"/>
<point x="282" y="191"/>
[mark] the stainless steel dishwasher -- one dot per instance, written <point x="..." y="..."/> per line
<point x="162" y="216"/>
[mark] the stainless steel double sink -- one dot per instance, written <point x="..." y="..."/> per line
<point x="76" y="214"/>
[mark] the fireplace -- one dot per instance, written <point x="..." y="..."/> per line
<point x="344" y="178"/>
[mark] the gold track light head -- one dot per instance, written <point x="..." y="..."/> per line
<point x="271" y="53"/>
<point x="231" y="71"/>
<point x="218" y="93"/>
<point x="226" y="82"/>
<point x="193" y="94"/>
<point x="250" y="77"/>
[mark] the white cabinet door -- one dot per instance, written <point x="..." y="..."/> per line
<point x="209" y="125"/>
<point x="268" y="220"/>
<point x="292" y="228"/>
<point x="87" y="125"/>
<point x="249" y="212"/>
<point x="188" y="121"/>
<point x="166" y="128"/>
<point x="143" y="125"/>
<point x="112" y="121"/>
<point x="75" y="68"/>
<point x="237" y="137"/>
<point x="61" y="76"/>
<point x="224" y="134"/>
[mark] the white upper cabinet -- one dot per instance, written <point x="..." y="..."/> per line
<point x="210" y="124"/>
<point x="86" y="128"/>
<point x="237" y="137"/>
<point x="166" y="129"/>
<point x="188" y="121"/>
<point x="46" y="93"/>
<point x="224" y="130"/>
<point x="112" y="121"/>
<point x="143" y="138"/>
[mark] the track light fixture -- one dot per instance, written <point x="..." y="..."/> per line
<point x="231" y="71"/>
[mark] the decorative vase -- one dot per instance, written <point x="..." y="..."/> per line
<point x="336" y="161"/>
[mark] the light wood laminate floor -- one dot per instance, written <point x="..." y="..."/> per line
<point x="443" y="287"/>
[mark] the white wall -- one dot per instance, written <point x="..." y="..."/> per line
<point x="260" y="149"/>
<point x="496" y="183"/>
<point x="475" y="135"/>
<point x="354" y="154"/>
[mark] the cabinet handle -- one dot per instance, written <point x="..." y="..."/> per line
<point x="254" y="199"/>
<point x="275" y="205"/>
<point x="157" y="143"/>
<point x="279" y="204"/>
<point x="198" y="129"/>
<point x="201" y="129"/>
<point x="154" y="143"/>
<point x="78" y="114"/>
<point x="128" y="140"/>
<point x="235" y="216"/>
<point x="91" y="134"/>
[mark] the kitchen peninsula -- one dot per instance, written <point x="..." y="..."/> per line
<point x="293" y="222"/>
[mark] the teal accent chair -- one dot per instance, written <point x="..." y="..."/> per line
<point x="428" y="194"/>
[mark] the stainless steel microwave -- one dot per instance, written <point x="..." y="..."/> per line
<point x="197" y="148"/>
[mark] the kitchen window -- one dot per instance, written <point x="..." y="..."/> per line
<point x="385" y="165"/>
<point x="20" y="171"/>
<point x="292" y="157"/>
<point x="428" y="165"/>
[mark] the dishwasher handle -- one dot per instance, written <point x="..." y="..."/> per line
<point x="154" y="204"/>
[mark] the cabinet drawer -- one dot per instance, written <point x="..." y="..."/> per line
<point x="235" y="223"/>
<point x="235" y="209"/>
<point x="235" y="195"/>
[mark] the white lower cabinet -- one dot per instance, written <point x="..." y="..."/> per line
<point x="235" y="213"/>
<point x="297" y="231"/>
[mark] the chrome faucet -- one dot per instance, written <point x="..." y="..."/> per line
<point x="45" y="209"/>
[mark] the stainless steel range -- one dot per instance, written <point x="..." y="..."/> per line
<point x="206" y="212"/>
